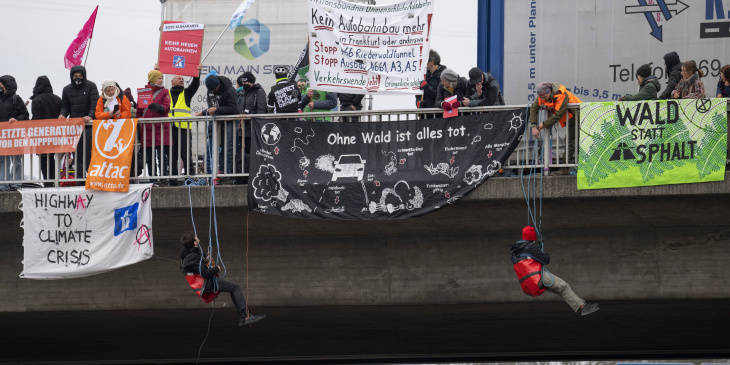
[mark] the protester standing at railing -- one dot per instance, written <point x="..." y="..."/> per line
<point x="691" y="86"/>
<point x="12" y="109"/>
<point x="45" y="105"/>
<point x="723" y="85"/>
<point x="316" y="101"/>
<point x="348" y="103"/>
<point x="284" y="96"/>
<point x="431" y="82"/>
<point x="180" y="99"/>
<point x="483" y="89"/>
<point x="555" y="99"/>
<point x="78" y="100"/>
<point x="222" y="100"/>
<point x="649" y="85"/>
<point x="112" y="103"/>
<point x="673" y="68"/>
<point x="155" y="136"/>
<point x="451" y="85"/>
<point x="251" y="100"/>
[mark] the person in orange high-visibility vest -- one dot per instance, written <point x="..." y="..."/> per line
<point x="555" y="98"/>
<point x="528" y="260"/>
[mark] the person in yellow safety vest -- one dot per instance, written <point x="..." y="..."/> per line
<point x="555" y="98"/>
<point x="314" y="101"/>
<point x="180" y="99"/>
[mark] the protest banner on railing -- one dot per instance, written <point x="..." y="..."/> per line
<point x="389" y="170"/>
<point x="72" y="232"/>
<point x="648" y="143"/>
<point x="40" y="136"/>
<point x="360" y="49"/>
<point x="180" y="48"/>
<point x="111" y="154"/>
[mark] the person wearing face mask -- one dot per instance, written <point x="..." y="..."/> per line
<point x="45" y="105"/>
<point x="555" y="99"/>
<point x="451" y="85"/>
<point x="112" y="104"/>
<point x="649" y="85"/>
<point x="180" y="99"/>
<point x="691" y="86"/>
<point x="78" y="100"/>
<point x="155" y="135"/>
<point x="673" y="68"/>
<point x="251" y="100"/>
<point x="12" y="109"/>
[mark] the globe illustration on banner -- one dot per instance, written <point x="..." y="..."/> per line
<point x="270" y="133"/>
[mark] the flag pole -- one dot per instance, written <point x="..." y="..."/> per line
<point x="88" y="50"/>
<point x="216" y="41"/>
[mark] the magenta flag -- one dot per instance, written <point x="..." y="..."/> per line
<point x="75" y="52"/>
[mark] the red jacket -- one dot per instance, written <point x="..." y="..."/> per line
<point x="161" y="130"/>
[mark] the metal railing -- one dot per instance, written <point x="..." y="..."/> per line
<point x="215" y="147"/>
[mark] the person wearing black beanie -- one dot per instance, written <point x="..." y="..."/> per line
<point x="649" y="85"/>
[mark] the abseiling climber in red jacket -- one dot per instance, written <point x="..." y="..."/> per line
<point x="528" y="259"/>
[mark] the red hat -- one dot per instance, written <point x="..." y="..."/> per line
<point x="529" y="234"/>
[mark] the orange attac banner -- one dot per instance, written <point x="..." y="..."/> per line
<point x="40" y="136"/>
<point x="111" y="155"/>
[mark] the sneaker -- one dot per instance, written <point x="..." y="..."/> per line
<point x="252" y="318"/>
<point x="561" y="171"/>
<point x="588" y="308"/>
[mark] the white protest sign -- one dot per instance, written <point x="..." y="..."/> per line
<point x="73" y="232"/>
<point x="361" y="49"/>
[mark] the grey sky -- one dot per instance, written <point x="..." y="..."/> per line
<point x="37" y="33"/>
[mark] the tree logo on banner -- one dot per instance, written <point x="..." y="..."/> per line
<point x="121" y="137"/>
<point x="251" y="39"/>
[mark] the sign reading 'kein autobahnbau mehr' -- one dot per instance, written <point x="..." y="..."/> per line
<point x="383" y="170"/>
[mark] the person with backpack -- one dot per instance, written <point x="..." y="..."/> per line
<point x="528" y="259"/>
<point x="483" y="89"/>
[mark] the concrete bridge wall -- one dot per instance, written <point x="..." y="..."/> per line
<point x="668" y="242"/>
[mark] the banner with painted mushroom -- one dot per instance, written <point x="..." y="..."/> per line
<point x="360" y="49"/>
<point x="73" y="232"/>
<point x="385" y="170"/>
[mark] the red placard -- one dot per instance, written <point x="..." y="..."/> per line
<point x="144" y="98"/>
<point x="181" y="44"/>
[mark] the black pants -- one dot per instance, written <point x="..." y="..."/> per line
<point x="236" y="294"/>
<point x="48" y="167"/>
<point x="181" y="140"/>
<point x="82" y="157"/>
<point x="155" y="154"/>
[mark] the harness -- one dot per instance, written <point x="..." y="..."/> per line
<point x="197" y="282"/>
<point x="529" y="273"/>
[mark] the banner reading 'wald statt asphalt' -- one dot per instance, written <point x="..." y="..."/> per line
<point x="382" y="170"/>
<point x="652" y="143"/>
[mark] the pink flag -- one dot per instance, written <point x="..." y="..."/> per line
<point x="75" y="51"/>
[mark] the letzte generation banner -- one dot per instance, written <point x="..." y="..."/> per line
<point x="360" y="49"/>
<point x="383" y="170"/>
<point x="652" y="143"/>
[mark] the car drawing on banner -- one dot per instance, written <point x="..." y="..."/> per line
<point x="349" y="166"/>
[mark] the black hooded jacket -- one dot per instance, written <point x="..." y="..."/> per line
<point x="674" y="73"/>
<point x="46" y="104"/>
<point x="531" y="249"/>
<point x="347" y="100"/>
<point x="78" y="101"/>
<point x="491" y="92"/>
<point x="433" y="80"/>
<point x="11" y="105"/>
<point x="190" y="263"/>
<point x="253" y="100"/>
<point x="225" y="100"/>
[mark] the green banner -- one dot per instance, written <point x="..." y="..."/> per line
<point x="625" y="144"/>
